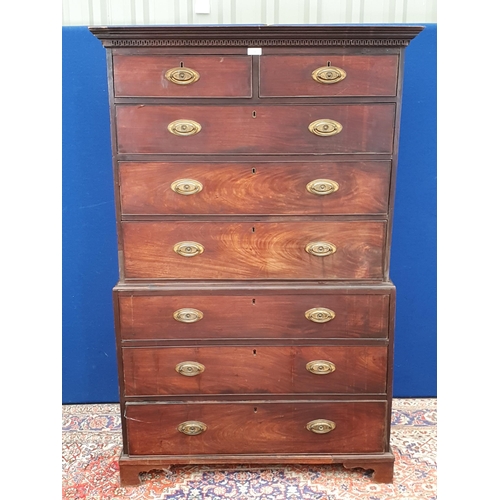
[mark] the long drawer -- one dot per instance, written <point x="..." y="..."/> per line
<point x="211" y="428"/>
<point x="161" y="371"/>
<point x="295" y="188"/>
<point x="248" y="250"/>
<point x="199" y="130"/>
<point x="258" y="316"/>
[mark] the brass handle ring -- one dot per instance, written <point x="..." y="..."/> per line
<point x="188" y="248"/>
<point x="192" y="427"/>
<point x="320" y="426"/>
<point x="182" y="76"/>
<point x="190" y="368"/>
<point x="328" y="74"/>
<point x="320" y="248"/>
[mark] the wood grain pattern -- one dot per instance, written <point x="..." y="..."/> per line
<point x="146" y="317"/>
<point x="261" y="370"/>
<point x="368" y="75"/>
<point x="256" y="428"/>
<point x="221" y="76"/>
<point x="248" y="250"/>
<point x="274" y="129"/>
<point x="255" y="188"/>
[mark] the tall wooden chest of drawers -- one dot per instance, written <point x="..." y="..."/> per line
<point x="254" y="196"/>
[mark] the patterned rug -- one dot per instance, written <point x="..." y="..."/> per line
<point x="92" y="444"/>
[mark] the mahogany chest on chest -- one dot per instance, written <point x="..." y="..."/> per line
<point x="254" y="198"/>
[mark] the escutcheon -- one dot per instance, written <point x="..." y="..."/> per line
<point x="182" y="76"/>
<point x="320" y="426"/>
<point x="320" y="248"/>
<point x="325" y="127"/>
<point x="320" y="367"/>
<point x="188" y="315"/>
<point x="188" y="248"/>
<point x="190" y="368"/>
<point x="192" y="427"/>
<point x="184" y="127"/>
<point x="186" y="186"/>
<point x="328" y="74"/>
<point x="322" y="187"/>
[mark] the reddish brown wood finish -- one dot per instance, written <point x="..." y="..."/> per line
<point x="367" y="128"/>
<point x="382" y="464"/>
<point x="254" y="339"/>
<point x="220" y="76"/>
<point x="256" y="428"/>
<point x="367" y="75"/>
<point x="146" y="317"/>
<point x="255" y="188"/>
<point x="247" y="250"/>
<point x="261" y="370"/>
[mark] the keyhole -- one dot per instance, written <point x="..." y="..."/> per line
<point x="182" y="64"/>
<point x="254" y="170"/>
<point x="254" y="114"/>
<point x="255" y="352"/>
<point x="255" y="409"/>
<point x="253" y="230"/>
<point x="253" y="301"/>
<point x="328" y="63"/>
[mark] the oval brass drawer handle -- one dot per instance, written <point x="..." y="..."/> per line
<point x="188" y="248"/>
<point x="192" y="427"/>
<point x="320" y="315"/>
<point x="184" y="127"/>
<point x="188" y="315"/>
<point x="320" y="426"/>
<point x="182" y="76"/>
<point x="325" y="127"/>
<point x="190" y="368"/>
<point x="320" y="367"/>
<point x="322" y="187"/>
<point x="186" y="186"/>
<point x="328" y="74"/>
<point x="320" y="248"/>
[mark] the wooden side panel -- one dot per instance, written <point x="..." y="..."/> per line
<point x="147" y="317"/>
<point x="219" y="76"/>
<point x="282" y="75"/>
<point x="249" y="250"/>
<point x="367" y="128"/>
<point x="255" y="188"/>
<point x="256" y="428"/>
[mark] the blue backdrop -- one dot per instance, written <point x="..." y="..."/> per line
<point x="90" y="267"/>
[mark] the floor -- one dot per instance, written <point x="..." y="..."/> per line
<point x="91" y="441"/>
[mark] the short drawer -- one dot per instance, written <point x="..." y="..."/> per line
<point x="182" y="76"/>
<point x="236" y="316"/>
<point x="253" y="250"/>
<point x="199" y="130"/>
<point x="162" y="371"/>
<point x="328" y="75"/>
<point x="295" y="188"/>
<point x="234" y="428"/>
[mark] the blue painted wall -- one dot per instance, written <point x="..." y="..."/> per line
<point x="89" y="232"/>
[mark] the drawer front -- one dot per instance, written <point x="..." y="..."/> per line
<point x="182" y="76"/>
<point x="152" y="429"/>
<point x="162" y="371"/>
<point x="296" y="188"/>
<point x="248" y="250"/>
<point x="148" y="317"/>
<point x="366" y="128"/>
<point x="328" y="75"/>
